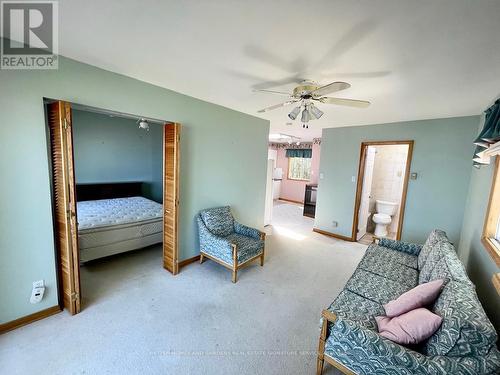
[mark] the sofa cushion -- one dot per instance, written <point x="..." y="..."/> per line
<point x="218" y="220"/>
<point x="374" y="287"/>
<point x="381" y="252"/>
<point x="247" y="247"/>
<point x="401" y="246"/>
<point x="389" y="269"/>
<point x="466" y="330"/>
<point x="434" y="237"/>
<point x="438" y="252"/>
<point x="352" y="306"/>
<point x="450" y="267"/>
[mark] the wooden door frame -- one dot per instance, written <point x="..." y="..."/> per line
<point x="175" y="214"/>
<point x="359" y="183"/>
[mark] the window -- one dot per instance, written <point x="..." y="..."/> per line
<point x="299" y="169"/>
<point x="491" y="230"/>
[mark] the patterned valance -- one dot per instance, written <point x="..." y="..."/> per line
<point x="302" y="145"/>
<point x="489" y="135"/>
<point x="299" y="153"/>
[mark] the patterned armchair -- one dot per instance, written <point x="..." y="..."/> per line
<point x="227" y="242"/>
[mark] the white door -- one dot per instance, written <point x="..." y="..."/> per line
<point x="364" y="207"/>
<point x="268" y="210"/>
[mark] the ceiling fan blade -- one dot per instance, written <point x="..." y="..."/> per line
<point x="332" y="87"/>
<point x="273" y="92"/>
<point x="277" y="106"/>
<point x="346" y="102"/>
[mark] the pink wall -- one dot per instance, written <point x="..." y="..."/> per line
<point x="292" y="189"/>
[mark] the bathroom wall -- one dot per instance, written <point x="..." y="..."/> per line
<point x="294" y="190"/>
<point x="388" y="178"/>
<point x="441" y="158"/>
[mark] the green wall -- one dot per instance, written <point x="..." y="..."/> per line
<point x="114" y="149"/>
<point x="480" y="265"/>
<point x="436" y="199"/>
<point x="223" y="161"/>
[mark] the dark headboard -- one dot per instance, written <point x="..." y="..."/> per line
<point x="108" y="190"/>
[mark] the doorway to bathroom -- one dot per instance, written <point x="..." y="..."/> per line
<point x="383" y="174"/>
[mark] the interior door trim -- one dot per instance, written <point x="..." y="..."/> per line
<point x="359" y="183"/>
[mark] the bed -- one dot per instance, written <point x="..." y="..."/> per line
<point x="111" y="225"/>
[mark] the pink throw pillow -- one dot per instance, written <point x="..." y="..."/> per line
<point x="412" y="327"/>
<point x="421" y="295"/>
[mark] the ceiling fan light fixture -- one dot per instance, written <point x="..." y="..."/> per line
<point x="295" y="112"/>
<point x="306" y="115"/>
<point x="315" y="111"/>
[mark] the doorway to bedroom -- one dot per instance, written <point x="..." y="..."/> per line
<point x="115" y="182"/>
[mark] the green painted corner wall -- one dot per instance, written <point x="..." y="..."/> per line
<point x="223" y="161"/>
<point x="436" y="199"/>
<point x="114" y="149"/>
<point x="478" y="262"/>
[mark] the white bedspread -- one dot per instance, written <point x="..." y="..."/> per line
<point x="117" y="211"/>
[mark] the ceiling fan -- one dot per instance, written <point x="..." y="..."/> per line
<point x="309" y="92"/>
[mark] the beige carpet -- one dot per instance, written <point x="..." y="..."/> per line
<point x="138" y="319"/>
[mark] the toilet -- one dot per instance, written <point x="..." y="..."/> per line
<point x="383" y="217"/>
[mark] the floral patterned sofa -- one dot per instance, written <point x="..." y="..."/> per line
<point x="464" y="344"/>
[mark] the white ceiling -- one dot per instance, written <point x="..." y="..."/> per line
<point x="412" y="59"/>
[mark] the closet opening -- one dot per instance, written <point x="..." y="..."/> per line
<point x="115" y="196"/>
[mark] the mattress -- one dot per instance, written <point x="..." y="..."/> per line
<point x="111" y="226"/>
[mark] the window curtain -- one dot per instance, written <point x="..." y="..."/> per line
<point x="489" y="135"/>
<point x="299" y="153"/>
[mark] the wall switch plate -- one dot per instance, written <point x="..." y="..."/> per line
<point x="321" y="175"/>
<point x="353" y="179"/>
<point x="335" y="224"/>
<point x="38" y="284"/>
<point x="413" y="176"/>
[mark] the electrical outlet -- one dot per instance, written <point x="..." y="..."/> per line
<point x="353" y="178"/>
<point x="321" y="175"/>
<point x="37" y="294"/>
<point x="335" y="224"/>
<point x="37" y="291"/>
